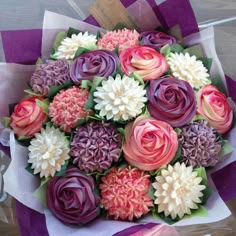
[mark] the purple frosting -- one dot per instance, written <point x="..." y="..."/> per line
<point x="53" y="73"/>
<point x="200" y="145"/>
<point x="95" y="146"/>
<point x="71" y="198"/>
<point x="156" y="39"/>
<point x="171" y="100"/>
<point x="102" y="63"/>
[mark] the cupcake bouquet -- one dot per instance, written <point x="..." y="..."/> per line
<point x="122" y="124"/>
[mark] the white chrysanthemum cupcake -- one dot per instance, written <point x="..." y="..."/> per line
<point x="178" y="190"/>
<point x="188" y="68"/>
<point x="69" y="46"/>
<point x="120" y="98"/>
<point x="48" y="151"/>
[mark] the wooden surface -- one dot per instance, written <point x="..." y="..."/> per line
<point x="30" y="13"/>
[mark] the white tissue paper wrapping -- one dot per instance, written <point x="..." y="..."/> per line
<point x="21" y="185"/>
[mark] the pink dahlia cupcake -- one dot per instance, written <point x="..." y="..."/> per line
<point x="67" y="108"/>
<point x="124" y="38"/>
<point x="124" y="193"/>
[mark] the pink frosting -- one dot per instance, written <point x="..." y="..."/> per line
<point x="144" y="61"/>
<point x="28" y="118"/>
<point x="214" y="106"/>
<point x="159" y="230"/>
<point x="150" y="143"/>
<point x="67" y="108"/>
<point x="124" y="38"/>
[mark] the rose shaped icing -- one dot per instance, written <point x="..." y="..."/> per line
<point x="156" y="39"/>
<point x="71" y="197"/>
<point x="28" y="118"/>
<point x="144" y="61"/>
<point x="94" y="63"/>
<point x="214" y="106"/>
<point x="171" y="100"/>
<point x="149" y="143"/>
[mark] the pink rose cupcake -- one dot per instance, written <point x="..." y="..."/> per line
<point x="28" y="118"/>
<point x="144" y="61"/>
<point x="214" y="106"/>
<point x="149" y="143"/>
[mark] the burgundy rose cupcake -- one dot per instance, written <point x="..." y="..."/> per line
<point x="171" y="100"/>
<point x="156" y="39"/>
<point x="101" y="63"/>
<point x="72" y="198"/>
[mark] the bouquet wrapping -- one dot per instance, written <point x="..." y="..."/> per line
<point x="53" y="24"/>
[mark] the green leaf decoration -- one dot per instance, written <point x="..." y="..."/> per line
<point x="118" y="71"/>
<point x="151" y="192"/>
<point x="80" y="51"/>
<point x="201" y="211"/>
<point x="201" y="172"/>
<point x="198" y="117"/>
<point x="195" y="50"/>
<point x="99" y="117"/>
<point x="21" y="138"/>
<point x="226" y="149"/>
<point x="63" y="169"/>
<point x="32" y="93"/>
<point x="6" y="121"/>
<point x="72" y="31"/>
<point x="176" y="48"/>
<point x="44" y="105"/>
<point x="30" y="170"/>
<point x="24" y="140"/>
<point x="90" y="103"/>
<point x="158" y="171"/>
<point x="137" y="77"/>
<point x="217" y="81"/>
<point x="116" y="50"/>
<point x="157" y="216"/>
<point x="122" y="165"/>
<point x="41" y="192"/>
<point x="165" y="50"/>
<point x="141" y="42"/>
<point x="55" y="89"/>
<point x="145" y="111"/>
<point x="121" y="131"/>
<point x="52" y="57"/>
<point x="86" y="84"/>
<point x="98" y="35"/>
<point x="178" y="130"/>
<point x="59" y="38"/>
<point x="39" y="61"/>
<point x="120" y="26"/>
<point x="207" y="62"/>
<point x="52" y="53"/>
<point x="177" y="155"/>
<point x="87" y="119"/>
<point x="82" y="121"/>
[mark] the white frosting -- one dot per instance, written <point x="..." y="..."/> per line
<point x="120" y="99"/>
<point x="188" y="68"/>
<point x="48" y="151"/>
<point x="69" y="46"/>
<point x="178" y="190"/>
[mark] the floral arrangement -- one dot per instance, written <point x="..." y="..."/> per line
<point x="123" y="124"/>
